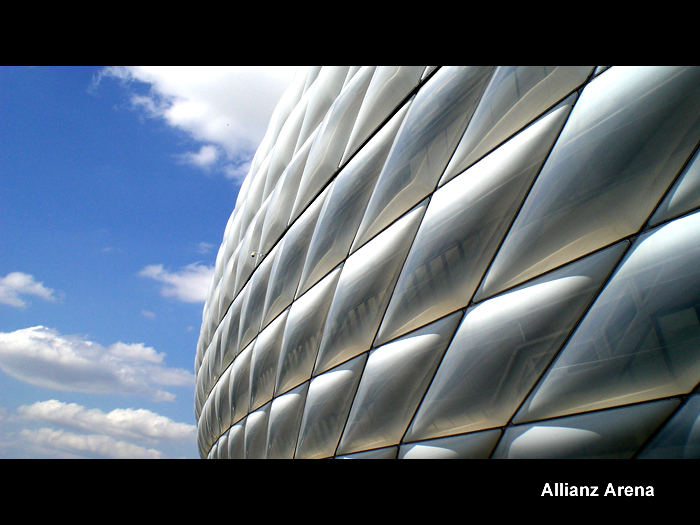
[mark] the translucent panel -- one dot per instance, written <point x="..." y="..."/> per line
<point x="254" y="196"/>
<point x="311" y="76"/>
<point x="251" y="310"/>
<point x="222" y="447"/>
<point x="284" y="147"/>
<point x="248" y="257"/>
<point x="382" y="453"/>
<point x="263" y="367"/>
<point x="680" y="437"/>
<point x="216" y="423"/>
<point x="364" y="290"/>
<point x="224" y="413"/>
<point x="230" y="337"/>
<point x="321" y="95"/>
<point x="608" y="434"/>
<point x="390" y="85"/>
<point x="514" y="97"/>
<point x="330" y="141"/>
<point x="351" y="73"/>
<point x="641" y="338"/>
<point x="285" y="418"/>
<point x="345" y="204"/>
<point x="327" y="405"/>
<point x="236" y="441"/>
<point x="256" y="433"/>
<point x="435" y="121"/>
<point x="282" y="199"/>
<point x="628" y="136"/>
<point x="428" y="70"/>
<point x="463" y="227"/>
<point x="395" y="378"/>
<point x="683" y="196"/>
<point x="288" y="101"/>
<point x="303" y="332"/>
<point x="504" y="344"/>
<point x="228" y="282"/>
<point x="477" y="445"/>
<point x="239" y="384"/>
<point x="287" y="267"/>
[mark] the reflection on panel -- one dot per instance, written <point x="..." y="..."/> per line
<point x="251" y="310"/>
<point x="680" y="436"/>
<point x="683" y="196"/>
<point x="629" y="134"/>
<point x="345" y="204"/>
<point x="363" y="292"/>
<point x="239" y="384"/>
<point x="236" y="441"/>
<point x="285" y="418"/>
<point x="514" y="97"/>
<point x="263" y="366"/>
<point x="302" y="333"/>
<point x="382" y="453"/>
<point x="393" y="383"/>
<point x="327" y="406"/>
<point x="429" y="133"/>
<point x="256" y="433"/>
<point x="289" y="262"/>
<point x="477" y="445"/>
<point x="641" y="338"/>
<point x="608" y="434"/>
<point x="327" y="148"/>
<point x="463" y="227"/>
<point x="389" y="86"/>
<point x="282" y="199"/>
<point x="503" y="345"/>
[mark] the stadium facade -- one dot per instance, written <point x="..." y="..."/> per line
<point x="467" y="262"/>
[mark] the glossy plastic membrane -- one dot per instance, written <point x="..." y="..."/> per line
<point x="503" y="345"/>
<point x="641" y="338"/>
<point x="395" y="378"/>
<point x="477" y="445"/>
<point x="608" y="434"/>
<point x="680" y="436"/>
<point x="461" y="262"/>
<point x="429" y="133"/>
<point x="628" y="136"/>
<point x="515" y="96"/>
<point x="463" y="227"/>
<point x="363" y="291"/>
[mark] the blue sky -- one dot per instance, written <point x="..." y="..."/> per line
<point x="115" y="187"/>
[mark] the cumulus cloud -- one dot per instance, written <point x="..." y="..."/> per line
<point x="15" y="284"/>
<point x="204" y="158"/>
<point x="43" y="357"/>
<point x="189" y="284"/>
<point x="63" y="444"/>
<point x="129" y="423"/>
<point x="227" y="109"/>
<point x="205" y="247"/>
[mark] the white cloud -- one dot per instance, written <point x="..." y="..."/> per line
<point x="126" y="423"/>
<point x="43" y="357"/>
<point x="205" y="247"/>
<point x="223" y="107"/>
<point x="62" y="444"/>
<point x="15" y="284"/>
<point x="189" y="284"/>
<point x="148" y="313"/>
<point x="204" y="158"/>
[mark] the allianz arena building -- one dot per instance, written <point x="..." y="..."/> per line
<point x="462" y="262"/>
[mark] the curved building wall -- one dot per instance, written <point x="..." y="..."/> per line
<point x="473" y="262"/>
